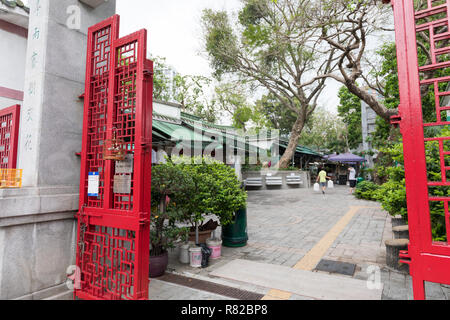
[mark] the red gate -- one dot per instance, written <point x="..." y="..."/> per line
<point x="429" y="260"/>
<point x="114" y="216"/>
<point x="9" y="136"/>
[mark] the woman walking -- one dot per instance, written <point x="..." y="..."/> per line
<point x="322" y="179"/>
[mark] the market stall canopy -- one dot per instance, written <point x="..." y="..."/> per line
<point x="346" y="158"/>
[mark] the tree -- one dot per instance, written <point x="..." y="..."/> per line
<point x="233" y="100"/>
<point x="187" y="90"/>
<point x="272" y="45"/>
<point x="191" y="92"/>
<point x="349" y="110"/>
<point x="325" y="132"/>
<point x="161" y="82"/>
<point x="347" y="27"/>
<point x="279" y="118"/>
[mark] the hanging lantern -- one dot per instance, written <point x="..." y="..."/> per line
<point x="114" y="149"/>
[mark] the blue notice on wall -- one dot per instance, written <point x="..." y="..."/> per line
<point x="93" y="184"/>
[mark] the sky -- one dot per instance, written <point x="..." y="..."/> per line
<point x="173" y="27"/>
<point x="174" y="32"/>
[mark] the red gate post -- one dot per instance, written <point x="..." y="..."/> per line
<point x="114" y="217"/>
<point x="428" y="260"/>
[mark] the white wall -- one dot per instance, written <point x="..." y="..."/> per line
<point x="12" y="64"/>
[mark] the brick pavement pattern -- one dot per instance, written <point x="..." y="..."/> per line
<point x="284" y="225"/>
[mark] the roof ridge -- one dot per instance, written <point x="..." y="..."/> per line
<point x="15" y="3"/>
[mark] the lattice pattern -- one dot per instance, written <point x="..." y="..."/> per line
<point x="107" y="260"/>
<point x="125" y="110"/>
<point x="97" y="134"/>
<point x="9" y="126"/>
<point x="425" y="144"/>
<point x="98" y="106"/>
<point x="433" y="22"/>
<point x="101" y="51"/>
<point x="113" y="229"/>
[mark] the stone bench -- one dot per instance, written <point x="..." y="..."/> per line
<point x="274" y="181"/>
<point x="294" y="180"/>
<point x="253" y="182"/>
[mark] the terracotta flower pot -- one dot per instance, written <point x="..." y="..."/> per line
<point x="202" y="236"/>
<point x="158" y="265"/>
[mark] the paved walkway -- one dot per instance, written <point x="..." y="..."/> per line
<point x="296" y="228"/>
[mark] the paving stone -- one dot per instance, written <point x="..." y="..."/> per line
<point x="274" y="239"/>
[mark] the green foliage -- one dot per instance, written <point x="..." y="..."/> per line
<point x="187" y="90"/>
<point x="350" y="111"/>
<point x="392" y="194"/>
<point x="272" y="45"/>
<point x="277" y="116"/>
<point x="168" y="183"/>
<point x="161" y="82"/>
<point x="366" y="190"/>
<point x="232" y="98"/>
<point x="220" y="41"/>
<point x="191" y="93"/>
<point x="325" y="132"/>
<point x="391" y="99"/>
<point x="216" y="191"/>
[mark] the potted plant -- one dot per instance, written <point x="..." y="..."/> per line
<point x="167" y="181"/>
<point x="216" y="191"/>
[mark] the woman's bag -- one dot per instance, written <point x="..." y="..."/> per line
<point x="316" y="187"/>
<point x="330" y="184"/>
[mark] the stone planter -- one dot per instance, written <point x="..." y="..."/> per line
<point x="401" y="232"/>
<point x="158" y="265"/>
<point x="393" y="248"/>
<point x="398" y="221"/>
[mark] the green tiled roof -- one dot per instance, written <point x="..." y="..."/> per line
<point x="15" y="3"/>
<point x="300" y="149"/>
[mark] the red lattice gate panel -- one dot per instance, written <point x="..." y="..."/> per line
<point x="9" y="136"/>
<point x="114" y="216"/>
<point x="429" y="259"/>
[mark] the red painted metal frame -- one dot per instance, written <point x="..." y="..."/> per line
<point x="428" y="260"/>
<point x="114" y="229"/>
<point x="9" y="136"/>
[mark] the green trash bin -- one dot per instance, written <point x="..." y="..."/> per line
<point x="235" y="234"/>
<point x="360" y="179"/>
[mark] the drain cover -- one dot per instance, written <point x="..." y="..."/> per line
<point x="344" y="268"/>
<point x="211" y="287"/>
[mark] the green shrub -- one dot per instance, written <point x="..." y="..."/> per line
<point x="392" y="194"/>
<point x="366" y="190"/>
<point x="217" y="190"/>
<point x="168" y="183"/>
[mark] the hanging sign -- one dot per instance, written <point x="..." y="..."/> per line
<point x="122" y="184"/>
<point x="126" y="165"/>
<point x="93" y="184"/>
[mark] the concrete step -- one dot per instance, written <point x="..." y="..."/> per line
<point x="304" y="283"/>
<point x="58" y="291"/>
<point x="66" y="295"/>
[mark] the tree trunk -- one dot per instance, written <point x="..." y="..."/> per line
<point x="373" y="103"/>
<point x="293" y="143"/>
